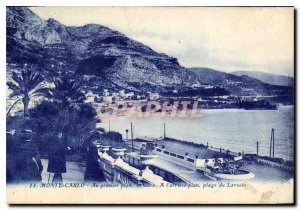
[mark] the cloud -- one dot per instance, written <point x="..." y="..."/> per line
<point x="227" y="39"/>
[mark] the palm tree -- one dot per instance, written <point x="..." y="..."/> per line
<point x="69" y="114"/>
<point x="25" y="86"/>
<point x="67" y="93"/>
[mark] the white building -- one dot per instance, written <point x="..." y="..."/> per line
<point x="154" y="96"/>
<point x="129" y="95"/>
<point x="108" y="99"/>
<point x="122" y="93"/>
<point x="105" y="92"/>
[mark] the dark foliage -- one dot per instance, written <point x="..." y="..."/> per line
<point x="64" y="113"/>
<point x="113" y="139"/>
<point x="67" y="92"/>
<point x="25" y="86"/>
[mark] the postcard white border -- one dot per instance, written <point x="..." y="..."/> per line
<point x="108" y="3"/>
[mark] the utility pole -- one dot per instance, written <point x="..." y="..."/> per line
<point x="273" y="141"/>
<point x="126" y="134"/>
<point x="131" y="137"/>
<point x="109" y="126"/>
<point x="272" y="144"/>
<point x="164" y="130"/>
<point x="257" y="145"/>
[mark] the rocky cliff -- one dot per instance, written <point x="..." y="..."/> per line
<point x="104" y="57"/>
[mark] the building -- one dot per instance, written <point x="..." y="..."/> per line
<point x="129" y="95"/>
<point x="116" y="171"/>
<point x="122" y="93"/>
<point x="153" y="96"/>
<point x="105" y="92"/>
<point x="108" y="99"/>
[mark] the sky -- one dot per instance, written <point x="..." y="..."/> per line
<point x="226" y="39"/>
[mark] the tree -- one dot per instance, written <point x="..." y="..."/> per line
<point x="67" y="92"/>
<point x="75" y="124"/>
<point x="65" y="112"/>
<point x="25" y="86"/>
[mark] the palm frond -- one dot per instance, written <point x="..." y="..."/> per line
<point x="68" y="92"/>
<point x="33" y="80"/>
<point x="14" y="87"/>
<point x="17" y="79"/>
<point x="15" y="94"/>
<point x="41" y="92"/>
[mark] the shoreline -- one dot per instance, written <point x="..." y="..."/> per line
<point x="192" y="132"/>
<point x="187" y="114"/>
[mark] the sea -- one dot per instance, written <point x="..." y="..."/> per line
<point x="235" y="129"/>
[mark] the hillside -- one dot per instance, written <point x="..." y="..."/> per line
<point x="106" y="57"/>
<point x="273" y="79"/>
<point x="239" y="85"/>
<point x="103" y="58"/>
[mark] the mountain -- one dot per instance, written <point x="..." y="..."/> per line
<point x="212" y="76"/>
<point x="104" y="57"/>
<point x="273" y="79"/>
<point x="239" y="85"/>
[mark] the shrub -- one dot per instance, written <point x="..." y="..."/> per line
<point x="48" y="119"/>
